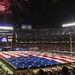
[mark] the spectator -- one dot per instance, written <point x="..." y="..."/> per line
<point x="41" y="72"/>
<point x="65" y="71"/>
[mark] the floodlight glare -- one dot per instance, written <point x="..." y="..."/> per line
<point x="6" y="27"/>
<point x="68" y="25"/>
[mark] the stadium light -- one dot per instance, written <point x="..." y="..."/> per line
<point x="68" y="25"/>
<point x="6" y="27"/>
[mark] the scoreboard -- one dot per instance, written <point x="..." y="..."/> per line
<point x="26" y="26"/>
<point x="6" y="37"/>
<point x="6" y="32"/>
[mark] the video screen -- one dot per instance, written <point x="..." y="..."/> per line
<point x="26" y="26"/>
<point x="4" y="39"/>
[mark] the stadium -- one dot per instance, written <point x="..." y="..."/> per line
<point x="34" y="49"/>
<point x="30" y="49"/>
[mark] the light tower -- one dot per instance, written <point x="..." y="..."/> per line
<point x="69" y="25"/>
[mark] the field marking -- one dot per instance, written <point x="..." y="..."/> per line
<point x="6" y="68"/>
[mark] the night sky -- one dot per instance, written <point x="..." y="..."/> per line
<point x="41" y="13"/>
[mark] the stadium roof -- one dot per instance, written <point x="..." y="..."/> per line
<point x="39" y="13"/>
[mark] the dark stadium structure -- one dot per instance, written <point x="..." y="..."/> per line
<point x="39" y="13"/>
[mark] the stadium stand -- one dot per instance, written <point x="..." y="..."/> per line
<point x="39" y="48"/>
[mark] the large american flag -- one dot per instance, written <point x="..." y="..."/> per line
<point x="56" y="57"/>
<point x="34" y="57"/>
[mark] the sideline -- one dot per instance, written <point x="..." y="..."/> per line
<point x="6" y="68"/>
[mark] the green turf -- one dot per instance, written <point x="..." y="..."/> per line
<point x="7" y="64"/>
<point x="3" y="70"/>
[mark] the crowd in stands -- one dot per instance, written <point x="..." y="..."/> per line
<point x="47" y="47"/>
<point x="46" y="39"/>
<point x="63" y="70"/>
<point x="44" y="35"/>
<point x="47" y="32"/>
